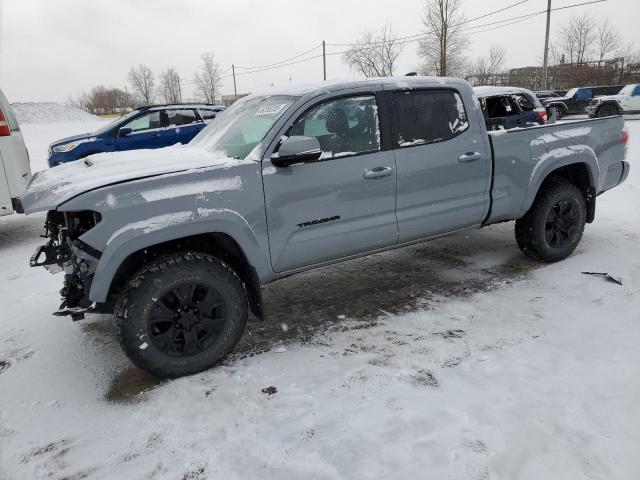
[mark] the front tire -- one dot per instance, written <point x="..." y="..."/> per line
<point x="181" y="314"/>
<point x="553" y="226"/>
<point x="607" y="111"/>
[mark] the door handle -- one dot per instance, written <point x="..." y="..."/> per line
<point x="469" y="157"/>
<point x="378" y="172"/>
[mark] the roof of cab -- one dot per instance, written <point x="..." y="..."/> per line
<point x="210" y="106"/>
<point x="329" y="86"/>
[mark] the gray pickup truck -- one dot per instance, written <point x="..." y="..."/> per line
<point x="178" y="242"/>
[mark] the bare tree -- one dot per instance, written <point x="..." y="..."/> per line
<point x="576" y="39"/>
<point x="484" y="69"/>
<point x="207" y="79"/>
<point x="375" y="53"/>
<point x="608" y="41"/>
<point x="102" y="100"/>
<point x="142" y="82"/>
<point x="170" y="89"/>
<point x="444" y="42"/>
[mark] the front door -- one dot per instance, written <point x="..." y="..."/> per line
<point x="443" y="161"/>
<point x="147" y="131"/>
<point x="341" y="204"/>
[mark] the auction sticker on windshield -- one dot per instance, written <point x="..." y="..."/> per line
<point x="270" y="109"/>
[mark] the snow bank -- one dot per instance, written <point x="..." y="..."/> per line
<point x="47" y="112"/>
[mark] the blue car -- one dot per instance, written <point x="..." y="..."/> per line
<point x="152" y="126"/>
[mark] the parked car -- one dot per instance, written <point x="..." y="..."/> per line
<point x="540" y="94"/>
<point x="179" y="247"/>
<point x="626" y="101"/>
<point x="152" y="126"/>
<point x="510" y="107"/>
<point x="15" y="168"/>
<point x="576" y="100"/>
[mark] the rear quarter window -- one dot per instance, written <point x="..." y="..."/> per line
<point x="208" y="115"/>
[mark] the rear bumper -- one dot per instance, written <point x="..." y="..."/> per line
<point x="625" y="171"/>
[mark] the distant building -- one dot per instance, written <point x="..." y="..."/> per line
<point x="227" y="100"/>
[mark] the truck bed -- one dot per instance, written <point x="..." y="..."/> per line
<point x="594" y="144"/>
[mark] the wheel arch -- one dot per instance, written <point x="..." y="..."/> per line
<point x="610" y="103"/>
<point x="218" y="244"/>
<point x="582" y="174"/>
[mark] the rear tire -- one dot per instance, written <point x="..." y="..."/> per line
<point x="553" y="226"/>
<point x="181" y="314"/>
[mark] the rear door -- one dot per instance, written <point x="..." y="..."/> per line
<point x="182" y="126"/>
<point x="147" y="131"/>
<point x="342" y="204"/>
<point x="443" y="162"/>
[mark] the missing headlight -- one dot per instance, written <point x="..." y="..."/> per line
<point x="78" y="223"/>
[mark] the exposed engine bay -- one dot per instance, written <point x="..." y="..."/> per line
<point x="65" y="252"/>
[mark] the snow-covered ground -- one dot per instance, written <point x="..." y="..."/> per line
<point x="38" y="136"/>
<point x="43" y="112"/>
<point x="472" y="363"/>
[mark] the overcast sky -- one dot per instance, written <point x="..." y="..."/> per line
<point x="50" y="49"/>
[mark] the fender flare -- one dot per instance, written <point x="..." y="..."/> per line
<point x="129" y="241"/>
<point x="580" y="155"/>
<point x="612" y="103"/>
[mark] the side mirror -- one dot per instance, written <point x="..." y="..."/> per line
<point x="124" y="131"/>
<point x="297" y="149"/>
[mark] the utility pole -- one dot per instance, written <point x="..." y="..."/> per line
<point x="545" y="64"/>
<point x="324" y="61"/>
<point x="233" y="70"/>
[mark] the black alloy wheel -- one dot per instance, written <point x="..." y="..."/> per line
<point x="562" y="224"/>
<point x="187" y="319"/>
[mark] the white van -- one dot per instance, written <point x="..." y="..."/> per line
<point x="15" y="170"/>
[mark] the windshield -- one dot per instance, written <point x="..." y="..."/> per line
<point x="238" y="129"/>
<point x="571" y="93"/>
<point x="110" y="125"/>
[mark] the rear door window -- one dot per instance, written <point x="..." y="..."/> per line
<point x="177" y="118"/>
<point x="208" y="115"/>
<point x="427" y="116"/>
<point x="523" y="103"/>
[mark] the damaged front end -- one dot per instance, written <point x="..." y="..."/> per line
<point x="66" y="252"/>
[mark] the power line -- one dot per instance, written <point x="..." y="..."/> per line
<point x="274" y="67"/>
<point x="403" y="40"/>
<point x="281" y="61"/>
<point x="456" y="25"/>
<point x="418" y="36"/>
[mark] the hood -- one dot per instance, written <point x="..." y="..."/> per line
<point x="52" y="187"/>
<point x="73" y="138"/>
